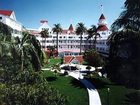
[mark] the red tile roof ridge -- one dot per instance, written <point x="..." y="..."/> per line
<point x="6" y="12"/>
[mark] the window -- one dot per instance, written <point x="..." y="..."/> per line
<point x="70" y="36"/>
<point x="103" y="33"/>
<point x="44" y="29"/>
<point x="50" y="36"/>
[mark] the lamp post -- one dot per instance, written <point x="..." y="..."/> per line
<point x="108" y="91"/>
<point x="79" y="72"/>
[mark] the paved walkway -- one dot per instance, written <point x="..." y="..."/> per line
<point x="94" y="98"/>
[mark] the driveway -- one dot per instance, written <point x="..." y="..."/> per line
<point x="94" y="98"/>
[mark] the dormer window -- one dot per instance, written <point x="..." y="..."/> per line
<point x="103" y="33"/>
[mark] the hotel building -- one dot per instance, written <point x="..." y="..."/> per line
<point x="69" y="42"/>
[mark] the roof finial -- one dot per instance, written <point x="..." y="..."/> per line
<point x="102" y="9"/>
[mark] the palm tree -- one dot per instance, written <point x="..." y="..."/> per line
<point x="124" y="45"/>
<point x="129" y="18"/>
<point x="80" y="30"/>
<point x="92" y="33"/>
<point x="57" y="29"/>
<point x="44" y="34"/>
<point x="30" y="49"/>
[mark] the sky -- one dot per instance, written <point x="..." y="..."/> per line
<point x="65" y="12"/>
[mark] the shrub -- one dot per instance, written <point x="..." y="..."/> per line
<point x="37" y="94"/>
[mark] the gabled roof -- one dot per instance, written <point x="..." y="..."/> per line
<point x="64" y="31"/>
<point x="6" y="12"/>
<point x="69" y="59"/>
<point x="102" y="17"/>
<point x="102" y="28"/>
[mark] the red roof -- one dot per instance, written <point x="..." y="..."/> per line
<point x="102" y="17"/>
<point x="6" y="12"/>
<point x="34" y="33"/>
<point x="102" y="28"/>
<point x="64" y="31"/>
<point x="68" y="59"/>
<point x="43" y="21"/>
<point x="71" y="28"/>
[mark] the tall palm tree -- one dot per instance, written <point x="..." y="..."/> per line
<point x="57" y="29"/>
<point x="129" y="18"/>
<point x="25" y="49"/>
<point x="80" y="30"/>
<point x="92" y="33"/>
<point x="125" y="45"/>
<point x="44" y="34"/>
<point x="30" y="49"/>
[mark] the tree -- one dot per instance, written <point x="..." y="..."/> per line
<point x="56" y="69"/>
<point x="51" y="51"/>
<point x="57" y="29"/>
<point x="80" y="30"/>
<point x="92" y="33"/>
<point x="29" y="50"/>
<point x="44" y="34"/>
<point x="24" y="86"/>
<point x="5" y="32"/>
<point x="93" y="58"/>
<point x="129" y="18"/>
<point x="125" y="46"/>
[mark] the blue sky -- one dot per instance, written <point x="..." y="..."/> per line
<point x="65" y="12"/>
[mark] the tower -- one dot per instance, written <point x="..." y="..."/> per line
<point x="44" y="25"/>
<point x="102" y="25"/>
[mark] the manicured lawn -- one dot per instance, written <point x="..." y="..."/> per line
<point x="70" y="87"/>
<point x="52" y="61"/>
<point x="117" y="95"/>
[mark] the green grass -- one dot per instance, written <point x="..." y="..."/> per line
<point x="52" y="61"/>
<point x="117" y="94"/>
<point x="70" y="87"/>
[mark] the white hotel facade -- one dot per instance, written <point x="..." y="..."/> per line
<point x="8" y="17"/>
<point x="68" y="41"/>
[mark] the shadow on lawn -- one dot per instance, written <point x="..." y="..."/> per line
<point x="50" y="79"/>
<point x="76" y="83"/>
<point x="132" y="98"/>
<point x="99" y="83"/>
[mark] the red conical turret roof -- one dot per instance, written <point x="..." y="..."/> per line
<point x="71" y="28"/>
<point x="102" y="17"/>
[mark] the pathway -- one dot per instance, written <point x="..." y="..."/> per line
<point x="94" y="98"/>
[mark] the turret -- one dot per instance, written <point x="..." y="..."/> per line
<point x="71" y="28"/>
<point x="102" y="20"/>
<point x="44" y="25"/>
<point x="102" y="24"/>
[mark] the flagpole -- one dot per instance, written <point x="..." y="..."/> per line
<point x="102" y="9"/>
